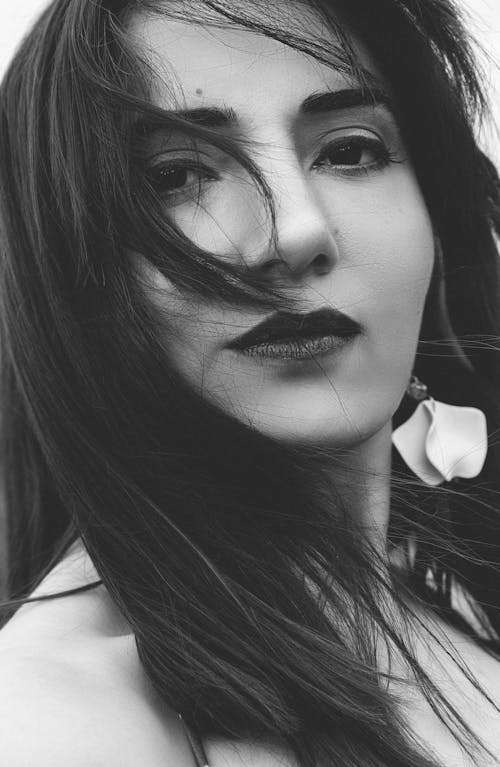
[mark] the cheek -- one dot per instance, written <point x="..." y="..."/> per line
<point x="386" y="236"/>
<point x="231" y="222"/>
<point x="403" y="257"/>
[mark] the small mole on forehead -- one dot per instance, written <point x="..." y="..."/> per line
<point x="199" y="92"/>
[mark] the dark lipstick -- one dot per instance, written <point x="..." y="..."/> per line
<point x="286" y="335"/>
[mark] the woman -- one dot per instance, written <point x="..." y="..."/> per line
<point x="239" y="241"/>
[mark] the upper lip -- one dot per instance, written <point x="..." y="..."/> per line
<point x="285" y="325"/>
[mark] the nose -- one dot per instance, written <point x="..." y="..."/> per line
<point x="305" y="240"/>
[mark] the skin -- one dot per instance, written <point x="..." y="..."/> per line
<point x="352" y="235"/>
<point x="360" y="242"/>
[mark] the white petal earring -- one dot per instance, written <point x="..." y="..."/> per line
<point x="440" y="442"/>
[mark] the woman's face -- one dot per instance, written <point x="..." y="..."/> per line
<point x="353" y="229"/>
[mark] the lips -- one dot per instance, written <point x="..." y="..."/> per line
<point x="286" y="326"/>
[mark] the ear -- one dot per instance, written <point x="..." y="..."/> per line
<point x="438" y="274"/>
<point x="436" y="323"/>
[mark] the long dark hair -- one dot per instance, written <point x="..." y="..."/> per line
<point x="205" y="532"/>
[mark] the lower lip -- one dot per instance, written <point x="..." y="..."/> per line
<point x="303" y="350"/>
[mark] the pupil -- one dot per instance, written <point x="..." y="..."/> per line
<point x="173" y="178"/>
<point x="350" y="155"/>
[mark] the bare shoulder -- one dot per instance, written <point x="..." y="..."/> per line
<point x="72" y="688"/>
<point x="55" y="711"/>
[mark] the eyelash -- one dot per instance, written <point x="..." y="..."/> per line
<point x="383" y="158"/>
<point x="160" y="170"/>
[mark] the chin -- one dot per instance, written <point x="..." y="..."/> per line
<point x="333" y="427"/>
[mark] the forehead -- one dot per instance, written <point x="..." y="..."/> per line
<point x="198" y="65"/>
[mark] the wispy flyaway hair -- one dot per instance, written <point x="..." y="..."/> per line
<point x="201" y="528"/>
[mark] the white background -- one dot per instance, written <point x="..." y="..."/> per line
<point x="483" y="20"/>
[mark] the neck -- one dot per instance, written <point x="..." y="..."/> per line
<point x="361" y="476"/>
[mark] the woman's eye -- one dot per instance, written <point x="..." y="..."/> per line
<point x="180" y="178"/>
<point x="354" y="153"/>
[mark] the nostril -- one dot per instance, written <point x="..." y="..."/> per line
<point x="322" y="263"/>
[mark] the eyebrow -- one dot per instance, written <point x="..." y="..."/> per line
<point x="349" y="98"/>
<point x="316" y="103"/>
